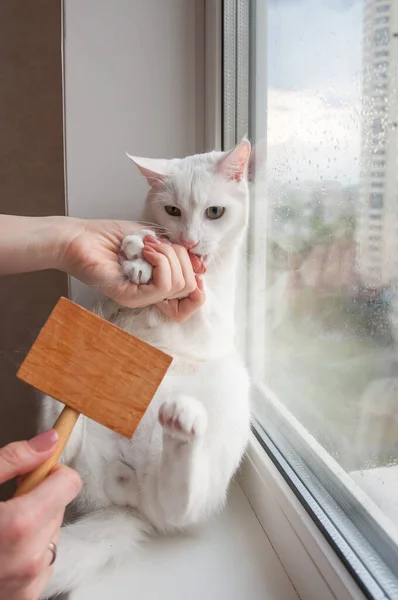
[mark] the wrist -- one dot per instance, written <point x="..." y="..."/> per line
<point x="35" y="243"/>
<point x="49" y="240"/>
<point x="61" y="232"/>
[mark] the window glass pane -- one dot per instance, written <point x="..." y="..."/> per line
<point x="330" y="188"/>
<point x="381" y="36"/>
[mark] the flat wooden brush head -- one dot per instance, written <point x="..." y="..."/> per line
<point x="94" y="367"/>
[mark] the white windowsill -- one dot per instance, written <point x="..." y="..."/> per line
<point x="230" y="558"/>
<point x="311" y="563"/>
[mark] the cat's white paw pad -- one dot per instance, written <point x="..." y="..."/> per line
<point x="138" y="271"/>
<point x="132" y="245"/>
<point x="184" y="418"/>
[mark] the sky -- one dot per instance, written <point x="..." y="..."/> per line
<point x="314" y="89"/>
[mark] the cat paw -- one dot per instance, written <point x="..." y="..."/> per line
<point x="184" y="419"/>
<point x="138" y="271"/>
<point x="136" y="268"/>
<point x="132" y="245"/>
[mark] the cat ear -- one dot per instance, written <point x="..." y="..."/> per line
<point x="233" y="165"/>
<point x="154" y="169"/>
<point x="256" y="167"/>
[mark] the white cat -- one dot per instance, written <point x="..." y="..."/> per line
<point x="176" y="469"/>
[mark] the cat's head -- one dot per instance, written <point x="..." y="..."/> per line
<point x="200" y="201"/>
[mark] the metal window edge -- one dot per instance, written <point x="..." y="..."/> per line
<point x="313" y="566"/>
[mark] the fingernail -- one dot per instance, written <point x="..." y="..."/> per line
<point x="44" y="441"/>
<point x="151" y="239"/>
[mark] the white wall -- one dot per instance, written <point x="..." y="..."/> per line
<point x="133" y="81"/>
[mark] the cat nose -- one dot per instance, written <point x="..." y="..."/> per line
<point x="188" y="243"/>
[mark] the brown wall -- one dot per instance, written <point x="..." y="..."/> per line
<point x="31" y="183"/>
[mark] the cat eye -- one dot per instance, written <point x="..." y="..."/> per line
<point x="215" y="212"/>
<point x="173" y="211"/>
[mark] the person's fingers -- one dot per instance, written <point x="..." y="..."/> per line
<point x="190" y="305"/>
<point x="49" y="533"/>
<point x="187" y="272"/>
<point x="53" y="494"/>
<point x="161" y="277"/>
<point x="35" y="590"/>
<point x="170" y="309"/>
<point x="173" y="274"/>
<point x="199" y="283"/>
<point x="19" y="458"/>
<point x="29" y="563"/>
<point x="181" y="310"/>
<point x="170" y="252"/>
<point x="23" y="515"/>
<point x="27" y="543"/>
<point x="197" y="264"/>
<point x="156" y="240"/>
<point x="30" y="556"/>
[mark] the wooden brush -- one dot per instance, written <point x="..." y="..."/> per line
<point x="94" y="368"/>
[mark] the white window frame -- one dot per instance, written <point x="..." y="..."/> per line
<point x="313" y="567"/>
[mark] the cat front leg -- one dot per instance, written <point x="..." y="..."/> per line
<point x="181" y="479"/>
<point x="134" y="266"/>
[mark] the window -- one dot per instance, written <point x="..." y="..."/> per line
<point x="381" y="20"/>
<point x="322" y="327"/>
<point x="381" y="65"/>
<point x="383" y="8"/>
<point x="377" y="126"/>
<point x="381" y="36"/>
<point x="376" y="200"/>
<point x="381" y="69"/>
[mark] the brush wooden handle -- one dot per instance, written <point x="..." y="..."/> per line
<point x="64" y="426"/>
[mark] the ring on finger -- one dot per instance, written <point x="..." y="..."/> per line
<point x="53" y="549"/>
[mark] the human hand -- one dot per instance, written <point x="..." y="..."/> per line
<point x="187" y="284"/>
<point x="92" y="254"/>
<point x="29" y="523"/>
<point x="181" y="309"/>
